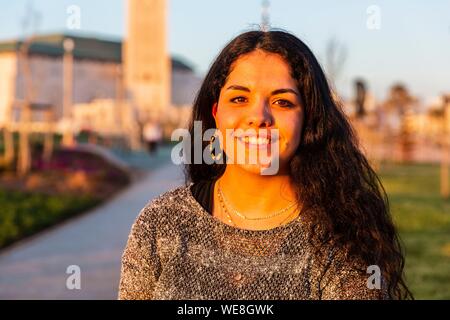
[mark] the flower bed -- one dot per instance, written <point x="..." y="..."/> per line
<point x="73" y="181"/>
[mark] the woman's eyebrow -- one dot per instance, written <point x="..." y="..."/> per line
<point x="236" y="87"/>
<point x="285" y="90"/>
<point x="278" y="91"/>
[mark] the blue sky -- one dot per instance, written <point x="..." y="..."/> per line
<point x="411" y="46"/>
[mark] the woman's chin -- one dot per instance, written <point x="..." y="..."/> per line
<point x="258" y="168"/>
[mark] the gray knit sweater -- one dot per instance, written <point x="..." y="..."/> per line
<point x="177" y="250"/>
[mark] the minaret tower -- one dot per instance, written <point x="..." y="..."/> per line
<point x="146" y="60"/>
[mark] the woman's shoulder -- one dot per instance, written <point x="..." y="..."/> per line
<point x="171" y="199"/>
<point x="167" y="209"/>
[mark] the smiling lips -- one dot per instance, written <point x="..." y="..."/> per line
<point x="255" y="140"/>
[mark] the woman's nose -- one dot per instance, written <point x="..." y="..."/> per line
<point x="260" y="115"/>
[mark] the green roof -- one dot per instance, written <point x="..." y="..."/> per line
<point x="92" y="48"/>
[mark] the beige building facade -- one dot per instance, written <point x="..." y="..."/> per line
<point x="101" y="99"/>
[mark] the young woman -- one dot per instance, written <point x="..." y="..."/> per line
<point x="317" y="228"/>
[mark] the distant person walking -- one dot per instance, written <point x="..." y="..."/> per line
<point x="152" y="133"/>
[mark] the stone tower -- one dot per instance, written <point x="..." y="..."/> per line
<point x="145" y="58"/>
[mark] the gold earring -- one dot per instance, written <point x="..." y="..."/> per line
<point x="213" y="156"/>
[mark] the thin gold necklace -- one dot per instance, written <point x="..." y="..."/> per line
<point x="240" y="215"/>
<point x="231" y="221"/>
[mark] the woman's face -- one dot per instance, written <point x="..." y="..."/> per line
<point x="260" y="94"/>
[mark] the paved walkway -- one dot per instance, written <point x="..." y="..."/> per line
<point x="36" y="268"/>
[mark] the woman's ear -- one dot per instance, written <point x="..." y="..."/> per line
<point x="214" y="110"/>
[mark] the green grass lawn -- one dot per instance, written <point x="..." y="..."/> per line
<point x="23" y="214"/>
<point x="423" y="220"/>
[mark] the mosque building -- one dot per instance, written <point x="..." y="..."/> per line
<point x="96" y="83"/>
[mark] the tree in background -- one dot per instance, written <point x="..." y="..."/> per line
<point x="396" y="109"/>
<point x="335" y="57"/>
<point x="360" y="100"/>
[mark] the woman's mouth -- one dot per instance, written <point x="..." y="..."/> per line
<point x="253" y="141"/>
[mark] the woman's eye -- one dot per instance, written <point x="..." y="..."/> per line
<point x="239" y="100"/>
<point x="283" y="103"/>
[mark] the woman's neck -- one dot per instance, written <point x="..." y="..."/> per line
<point x="254" y="194"/>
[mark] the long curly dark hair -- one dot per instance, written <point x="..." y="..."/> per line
<point x="331" y="174"/>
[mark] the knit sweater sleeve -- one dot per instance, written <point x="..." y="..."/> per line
<point x="347" y="279"/>
<point x="140" y="262"/>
